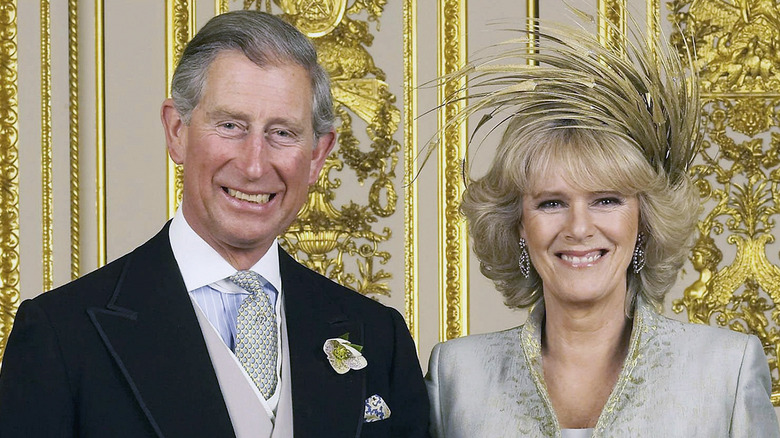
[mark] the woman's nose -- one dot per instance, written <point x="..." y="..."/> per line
<point x="579" y="222"/>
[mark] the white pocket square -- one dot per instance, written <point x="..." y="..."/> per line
<point x="376" y="409"/>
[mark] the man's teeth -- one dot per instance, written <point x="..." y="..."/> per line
<point x="261" y="198"/>
<point x="575" y="260"/>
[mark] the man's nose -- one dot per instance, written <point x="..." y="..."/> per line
<point x="257" y="156"/>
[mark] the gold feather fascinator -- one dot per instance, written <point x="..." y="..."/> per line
<point x="636" y="88"/>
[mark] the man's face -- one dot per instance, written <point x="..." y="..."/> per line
<point x="248" y="153"/>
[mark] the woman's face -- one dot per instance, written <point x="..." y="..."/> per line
<point x="580" y="241"/>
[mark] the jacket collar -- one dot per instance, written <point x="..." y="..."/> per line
<point x="643" y="330"/>
<point x="151" y="331"/>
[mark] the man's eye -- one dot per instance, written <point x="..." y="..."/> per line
<point x="229" y="125"/>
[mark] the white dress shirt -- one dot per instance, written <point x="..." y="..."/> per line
<point x="205" y="275"/>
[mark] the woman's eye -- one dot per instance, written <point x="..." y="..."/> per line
<point x="612" y="201"/>
<point x="544" y="205"/>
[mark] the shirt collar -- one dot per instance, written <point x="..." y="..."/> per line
<point x="201" y="265"/>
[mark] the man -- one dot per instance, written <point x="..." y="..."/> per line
<point x="209" y="329"/>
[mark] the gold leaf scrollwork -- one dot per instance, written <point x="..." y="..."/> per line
<point x="738" y="181"/>
<point x="736" y="42"/>
<point x="9" y="171"/>
<point x="738" y="168"/>
<point x="326" y="237"/>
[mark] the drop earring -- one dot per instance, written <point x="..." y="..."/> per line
<point x="524" y="262"/>
<point x="638" y="260"/>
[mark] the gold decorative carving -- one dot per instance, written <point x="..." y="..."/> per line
<point x="738" y="169"/>
<point x="737" y="43"/>
<point x="47" y="204"/>
<point x="325" y="237"/>
<point x="532" y="17"/>
<point x="453" y="255"/>
<point x="612" y="22"/>
<point x="100" y="133"/>
<point x="221" y="6"/>
<point x="179" y="28"/>
<point x="73" y="87"/>
<point x="9" y="171"/>
<point x="316" y="18"/>
<point x="411" y="242"/>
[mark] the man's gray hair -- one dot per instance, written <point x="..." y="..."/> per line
<point x="264" y="39"/>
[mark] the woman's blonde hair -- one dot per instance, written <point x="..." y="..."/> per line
<point x="594" y="160"/>
<point x="622" y="117"/>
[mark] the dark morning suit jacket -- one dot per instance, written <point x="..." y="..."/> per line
<point x="119" y="353"/>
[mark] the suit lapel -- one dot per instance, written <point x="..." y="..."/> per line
<point x="151" y="331"/>
<point x="322" y="399"/>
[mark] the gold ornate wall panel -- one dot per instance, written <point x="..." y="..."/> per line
<point x="738" y="171"/>
<point x="453" y="241"/>
<point x="47" y="203"/>
<point x="342" y="241"/>
<point x="73" y="108"/>
<point x="179" y="28"/>
<point x="411" y="238"/>
<point x="9" y="171"/>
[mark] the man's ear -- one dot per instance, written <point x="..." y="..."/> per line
<point x="321" y="150"/>
<point x="175" y="134"/>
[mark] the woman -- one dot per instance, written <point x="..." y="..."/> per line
<point x="585" y="215"/>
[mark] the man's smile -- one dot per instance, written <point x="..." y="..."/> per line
<point x="259" y="198"/>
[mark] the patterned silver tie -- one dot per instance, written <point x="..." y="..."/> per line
<point x="256" y="343"/>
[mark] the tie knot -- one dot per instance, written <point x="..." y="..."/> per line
<point x="250" y="281"/>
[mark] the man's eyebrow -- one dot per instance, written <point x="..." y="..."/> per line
<point x="223" y="113"/>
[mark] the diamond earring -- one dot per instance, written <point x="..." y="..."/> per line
<point x="524" y="262"/>
<point x="638" y="260"/>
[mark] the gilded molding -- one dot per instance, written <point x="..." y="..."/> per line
<point x="532" y="16"/>
<point x="47" y="206"/>
<point x="653" y="13"/>
<point x="179" y="27"/>
<point x="73" y="87"/>
<point x="411" y="242"/>
<point x="100" y="134"/>
<point x="612" y="21"/>
<point x="453" y="254"/>
<point x="738" y="169"/>
<point x="9" y="171"/>
<point x="221" y="6"/>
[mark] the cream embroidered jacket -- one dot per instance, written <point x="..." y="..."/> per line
<point x="678" y="380"/>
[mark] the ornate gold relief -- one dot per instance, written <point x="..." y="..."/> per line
<point x="9" y="171"/>
<point x="179" y="28"/>
<point x="73" y="105"/>
<point x="411" y="282"/>
<point x="738" y="169"/>
<point x="47" y="203"/>
<point x="326" y="237"/>
<point x="612" y="21"/>
<point x="453" y="240"/>
<point x="737" y="43"/>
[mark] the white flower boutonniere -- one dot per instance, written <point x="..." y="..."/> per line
<point x="343" y="355"/>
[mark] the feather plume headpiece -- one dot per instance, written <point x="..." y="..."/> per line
<point x="637" y="90"/>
